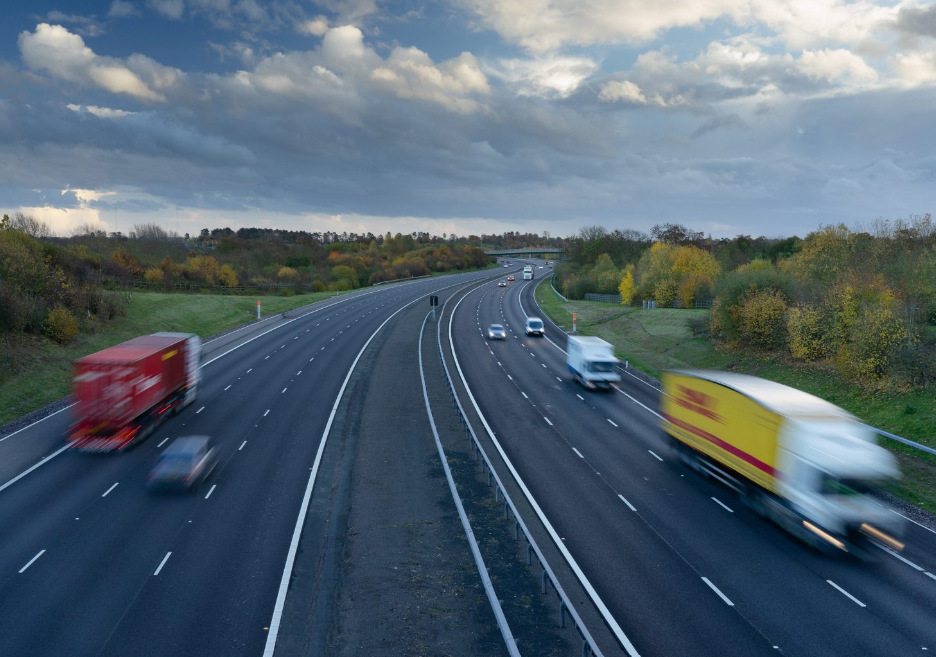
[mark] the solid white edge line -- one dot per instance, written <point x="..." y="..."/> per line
<point x="629" y="505"/>
<point x="162" y="563"/>
<point x="654" y="454"/>
<point x="110" y="489"/>
<point x="36" y="465"/>
<point x="905" y="560"/>
<point x="928" y="574"/>
<point x="10" y="435"/>
<point x="578" y="452"/>
<point x="280" y="603"/>
<point x="589" y="589"/>
<point x="31" y="561"/>
<point x="846" y="594"/>
<point x="913" y="521"/>
<point x="213" y="486"/>
<point x="720" y="594"/>
<point x="723" y="505"/>
<point x="502" y="623"/>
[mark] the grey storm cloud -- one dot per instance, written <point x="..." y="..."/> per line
<point x="919" y="21"/>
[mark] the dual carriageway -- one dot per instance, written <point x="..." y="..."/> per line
<point x="657" y="560"/>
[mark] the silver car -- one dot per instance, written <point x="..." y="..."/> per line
<point x="187" y="462"/>
<point x="496" y="332"/>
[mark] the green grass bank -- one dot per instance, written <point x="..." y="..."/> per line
<point x="662" y="339"/>
<point x="36" y="371"/>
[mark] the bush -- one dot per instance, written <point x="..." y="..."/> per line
<point x="318" y="286"/>
<point x="734" y="288"/>
<point x="760" y="318"/>
<point x="154" y="275"/>
<point x="60" y="325"/>
<point x="808" y="333"/>
<point x="286" y="292"/>
<point x="341" y="286"/>
<point x="876" y="335"/>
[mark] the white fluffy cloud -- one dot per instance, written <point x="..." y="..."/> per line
<point x="54" y="49"/>
<point x="317" y="26"/>
<point x="545" y="76"/>
<point x="835" y="65"/>
<point x="628" y="93"/>
<point x="545" y="25"/>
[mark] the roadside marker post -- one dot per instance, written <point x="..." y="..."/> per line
<point x="574" y="316"/>
<point x="258" y="309"/>
<point x="433" y="302"/>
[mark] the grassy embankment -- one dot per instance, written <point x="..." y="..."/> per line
<point x="44" y="368"/>
<point x="662" y="339"/>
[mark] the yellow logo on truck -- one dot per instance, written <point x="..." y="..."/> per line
<point x="170" y="354"/>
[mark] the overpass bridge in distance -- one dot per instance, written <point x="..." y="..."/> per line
<point x="519" y="253"/>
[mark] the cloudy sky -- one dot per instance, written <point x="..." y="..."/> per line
<point x="730" y="116"/>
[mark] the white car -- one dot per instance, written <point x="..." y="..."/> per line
<point x="534" y="326"/>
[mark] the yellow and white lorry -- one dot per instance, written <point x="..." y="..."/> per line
<point x="796" y="459"/>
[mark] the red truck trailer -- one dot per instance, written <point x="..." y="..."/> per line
<point x="123" y="392"/>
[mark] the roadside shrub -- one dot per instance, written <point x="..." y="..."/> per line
<point x="341" y="286"/>
<point x="112" y="305"/>
<point x="60" y="325"/>
<point x="733" y="288"/>
<point x="807" y="331"/>
<point x="286" y="292"/>
<point x="227" y="276"/>
<point x="288" y="274"/>
<point x="154" y="275"/>
<point x="318" y="286"/>
<point x="876" y="334"/>
<point x="760" y="318"/>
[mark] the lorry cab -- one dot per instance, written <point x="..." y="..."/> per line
<point x="528" y="273"/>
<point x="828" y="472"/>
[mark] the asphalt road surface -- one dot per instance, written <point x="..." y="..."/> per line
<point x="682" y="567"/>
<point x="93" y="564"/>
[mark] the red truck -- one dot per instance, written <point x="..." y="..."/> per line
<point x="123" y="392"/>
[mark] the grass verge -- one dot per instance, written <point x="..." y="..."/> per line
<point x="37" y="371"/>
<point x="662" y="339"/>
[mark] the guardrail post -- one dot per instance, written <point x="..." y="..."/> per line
<point x="496" y="494"/>
<point x="516" y="530"/>
<point x="586" y="649"/>
<point x="562" y="609"/>
<point x="529" y="554"/>
<point x="506" y="509"/>
<point x="545" y="580"/>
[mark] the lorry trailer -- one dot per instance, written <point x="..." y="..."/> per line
<point x="796" y="459"/>
<point x="124" y="391"/>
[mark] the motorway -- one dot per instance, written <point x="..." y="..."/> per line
<point x="681" y="566"/>
<point x="92" y="564"/>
